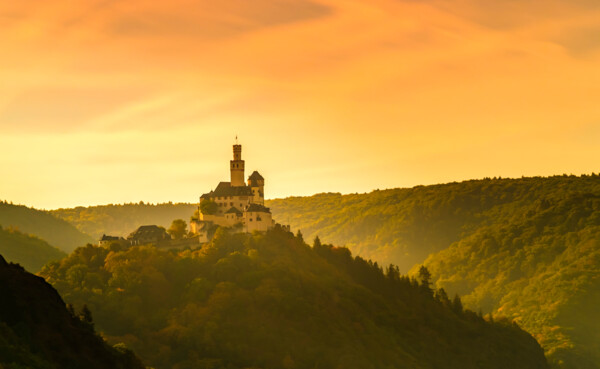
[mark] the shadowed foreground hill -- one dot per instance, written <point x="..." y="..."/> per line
<point x="44" y="225"/>
<point x="271" y="301"/>
<point x="37" y="331"/>
<point x="29" y="251"/>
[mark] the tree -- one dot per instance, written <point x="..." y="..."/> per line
<point x="178" y="229"/>
<point x="208" y="207"/>
<point x="442" y="297"/>
<point x="86" y="316"/>
<point x="457" y="305"/>
<point x="317" y="242"/>
<point x="425" y="277"/>
<point x="299" y="236"/>
<point x="392" y="272"/>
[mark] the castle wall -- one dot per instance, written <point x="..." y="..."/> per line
<point x="257" y="221"/>
<point x="227" y="202"/>
<point x="258" y="195"/>
<point x="220" y="220"/>
<point x="197" y="228"/>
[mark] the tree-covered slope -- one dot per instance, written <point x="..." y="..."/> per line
<point x="271" y="301"/>
<point x="522" y="248"/>
<point x="540" y="268"/>
<point x="29" y="251"/>
<point x="44" y="225"/>
<point x="37" y="331"/>
<point x="404" y="226"/>
<point x="120" y="220"/>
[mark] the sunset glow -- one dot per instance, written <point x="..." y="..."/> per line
<point x="109" y="102"/>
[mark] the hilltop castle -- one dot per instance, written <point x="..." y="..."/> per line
<point x="235" y="204"/>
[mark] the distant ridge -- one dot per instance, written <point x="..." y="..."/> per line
<point x="404" y="225"/>
<point x="29" y="251"/>
<point x="121" y="219"/>
<point x="44" y="225"/>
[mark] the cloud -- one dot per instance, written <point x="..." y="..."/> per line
<point x="580" y="41"/>
<point x="207" y="20"/>
<point x="510" y="14"/>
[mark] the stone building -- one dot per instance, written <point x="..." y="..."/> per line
<point x="106" y="241"/>
<point x="149" y="234"/>
<point x="236" y="204"/>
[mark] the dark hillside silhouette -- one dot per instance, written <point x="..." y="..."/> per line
<point x="38" y="331"/>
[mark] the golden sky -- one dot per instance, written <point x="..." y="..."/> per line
<point x="105" y="101"/>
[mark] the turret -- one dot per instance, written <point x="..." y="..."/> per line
<point x="257" y="183"/>
<point x="237" y="167"/>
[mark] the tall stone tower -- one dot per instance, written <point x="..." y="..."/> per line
<point x="237" y="167"/>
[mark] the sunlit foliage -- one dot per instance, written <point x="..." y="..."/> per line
<point x="178" y="229"/>
<point x="523" y="248"/>
<point x="271" y="301"/>
<point x="541" y="268"/>
<point x="403" y="226"/>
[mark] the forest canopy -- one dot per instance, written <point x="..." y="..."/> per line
<point x="527" y="249"/>
<point x="271" y="301"/>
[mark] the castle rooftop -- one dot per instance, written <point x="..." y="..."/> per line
<point x="225" y="189"/>
<point x="235" y="211"/>
<point x="257" y="208"/>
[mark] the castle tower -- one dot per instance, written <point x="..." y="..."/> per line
<point x="237" y="167"/>
<point x="257" y="184"/>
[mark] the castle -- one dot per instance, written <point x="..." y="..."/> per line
<point x="235" y="204"/>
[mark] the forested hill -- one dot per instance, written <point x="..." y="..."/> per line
<point x="42" y="224"/>
<point x="540" y="268"/>
<point x="120" y="220"/>
<point x="29" y="251"/>
<point x="38" y="331"/>
<point x="527" y="249"/>
<point x="404" y="226"/>
<point x="271" y="301"/>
